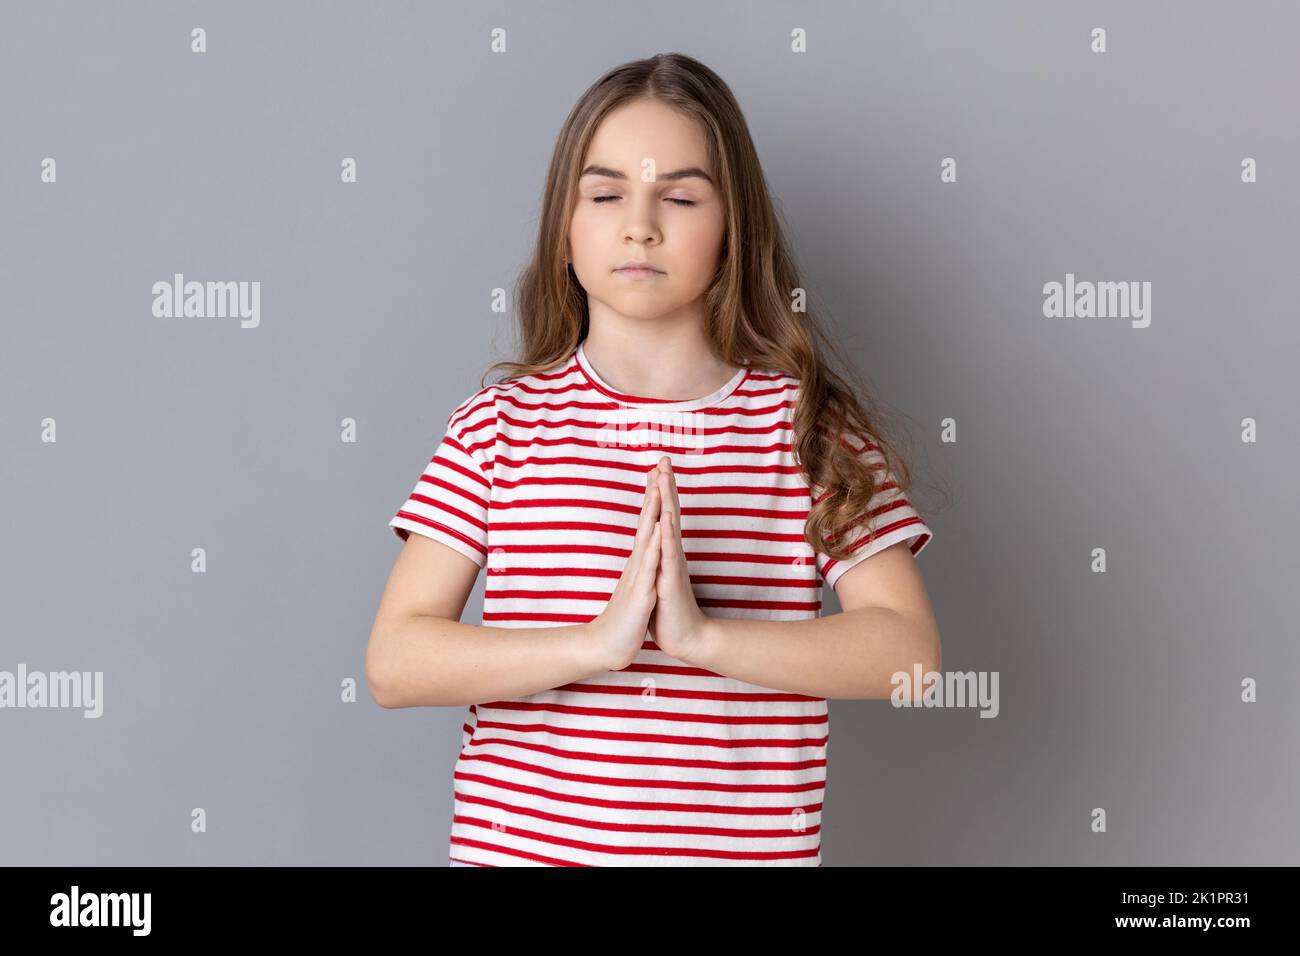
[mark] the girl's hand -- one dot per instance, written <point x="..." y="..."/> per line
<point x="676" y="623"/>
<point x="620" y="629"/>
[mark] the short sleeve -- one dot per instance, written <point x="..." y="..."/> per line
<point x="890" y="517"/>
<point x="450" y="501"/>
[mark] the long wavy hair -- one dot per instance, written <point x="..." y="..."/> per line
<point x="749" y="302"/>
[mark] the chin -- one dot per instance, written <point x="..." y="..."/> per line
<point x="642" y="306"/>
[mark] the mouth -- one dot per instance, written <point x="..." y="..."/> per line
<point x="638" y="272"/>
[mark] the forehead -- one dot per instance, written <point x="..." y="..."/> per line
<point x="647" y="129"/>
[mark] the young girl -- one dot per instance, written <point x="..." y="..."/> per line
<point x="657" y="492"/>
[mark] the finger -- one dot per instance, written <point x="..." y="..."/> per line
<point x="672" y="543"/>
<point x="649" y="509"/>
<point x="664" y="494"/>
<point x="672" y="488"/>
<point x="675" y="558"/>
<point x="671" y="546"/>
<point x="645" y="524"/>
<point x="646" y="519"/>
<point x="646" y="572"/>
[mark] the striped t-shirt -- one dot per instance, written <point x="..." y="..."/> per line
<point x="540" y="479"/>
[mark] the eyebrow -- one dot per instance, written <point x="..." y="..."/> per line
<point x="690" y="172"/>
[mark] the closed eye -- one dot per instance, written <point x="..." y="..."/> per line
<point x="680" y="202"/>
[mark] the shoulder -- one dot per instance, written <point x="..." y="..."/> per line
<point x="770" y="397"/>
<point x="767" y="384"/>
<point x="467" y="415"/>
<point x="482" y="408"/>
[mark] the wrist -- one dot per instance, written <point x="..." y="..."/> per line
<point x="708" y="633"/>
<point x="586" y="648"/>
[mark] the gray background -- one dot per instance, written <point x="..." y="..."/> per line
<point x="1118" y="690"/>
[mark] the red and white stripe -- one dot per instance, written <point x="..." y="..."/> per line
<point x="660" y="763"/>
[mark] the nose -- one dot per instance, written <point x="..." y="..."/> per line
<point x="640" y="226"/>
<point x="641" y="237"/>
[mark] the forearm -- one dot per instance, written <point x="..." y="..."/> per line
<point x="853" y="654"/>
<point x="426" y="661"/>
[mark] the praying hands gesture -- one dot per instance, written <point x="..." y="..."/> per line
<point x="676" y="623"/>
<point x="654" y="592"/>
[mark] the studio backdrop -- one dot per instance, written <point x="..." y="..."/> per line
<point x="1059" y="238"/>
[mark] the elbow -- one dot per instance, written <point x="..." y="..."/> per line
<point x="927" y="651"/>
<point x="378" y="679"/>
<point x="378" y="689"/>
<point x="933" y="650"/>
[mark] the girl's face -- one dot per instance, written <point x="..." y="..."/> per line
<point x="646" y="193"/>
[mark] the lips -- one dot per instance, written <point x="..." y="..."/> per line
<point x="636" y="266"/>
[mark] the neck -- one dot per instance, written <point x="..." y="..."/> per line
<point x="669" y="361"/>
